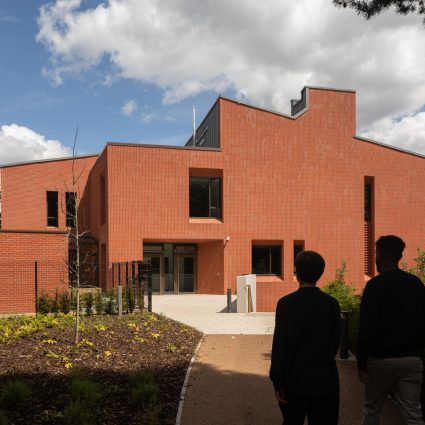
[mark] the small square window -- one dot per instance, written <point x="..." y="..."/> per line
<point x="267" y="260"/>
<point x="205" y="197"/>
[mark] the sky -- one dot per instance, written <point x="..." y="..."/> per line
<point x="130" y="70"/>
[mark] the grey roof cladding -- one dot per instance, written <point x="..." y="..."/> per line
<point x="40" y="161"/>
<point x="207" y="133"/>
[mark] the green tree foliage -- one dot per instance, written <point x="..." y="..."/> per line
<point x="418" y="268"/>
<point x="370" y="8"/>
<point x="344" y="293"/>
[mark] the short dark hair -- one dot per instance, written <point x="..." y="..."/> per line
<point x="309" y="266"/>
<point x="391" y="247"/>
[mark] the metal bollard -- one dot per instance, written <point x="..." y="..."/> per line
<point x="119" y="300"/>
<point x="343" y="348"/>
<point x="229" y="300"/>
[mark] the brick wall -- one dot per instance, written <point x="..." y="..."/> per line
<point x="19" y="252"/>
<point x="284" y="179"/>
<point x="24" y="187"/>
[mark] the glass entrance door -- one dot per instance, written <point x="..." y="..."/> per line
<point x="157" y="272"/>
<point x="186" y="272"/>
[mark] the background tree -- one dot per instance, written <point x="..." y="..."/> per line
<point x="373" y="7"/>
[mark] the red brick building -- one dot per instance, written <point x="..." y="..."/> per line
<point x="251" y="189"/>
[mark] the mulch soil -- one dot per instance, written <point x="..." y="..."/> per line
<point x="111" y="348"/>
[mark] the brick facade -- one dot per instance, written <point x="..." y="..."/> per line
<point x="284" y="179"/>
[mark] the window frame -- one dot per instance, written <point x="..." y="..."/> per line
<point x="52" y="221"/>
<point x="211" y="208"/>
<point x="279" y="272"/>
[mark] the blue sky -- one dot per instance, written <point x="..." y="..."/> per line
<point x="30" y="100"/>
<point x="74" y="62"/>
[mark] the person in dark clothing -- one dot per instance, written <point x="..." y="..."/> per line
<point x="392" y="336"/>
<point x="305" y="342"/>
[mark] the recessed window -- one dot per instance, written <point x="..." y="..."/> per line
<point x="52" y="209"/>
<point x="102" y="200"/>
<point x="71" y="210"/>
<point x="205" y="197"/>
<point x="267" y="260"/>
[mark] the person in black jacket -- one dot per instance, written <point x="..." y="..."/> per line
<point x="305" y="343"/>
<point x="392" y="336"/>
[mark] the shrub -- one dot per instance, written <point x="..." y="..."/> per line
<point x="65" y="302"/>
<point x="77" y="414"/>
<point x="129" y="298"/>
<point x="54" y="303"/>
<point x="344" y="293"/>
<point x="89" y="303"/>
<point x="144" y="391"/>
<point x="419" y="267"/>
<point x="82" y="389"/>
<point x="111" y="303"/>
<point x="3" y="418"/>
<point x="73" y="299"/>
<point x="14" y="396"/>
<point x="43" y="304"/>
<point x="98" y="303"/>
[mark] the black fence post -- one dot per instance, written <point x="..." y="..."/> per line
<point x="36" y="285"/>
<point x="343" y="348"/>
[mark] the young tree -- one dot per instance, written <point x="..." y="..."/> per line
<point x="370" y="8"/>
<point x="76" y="232"/>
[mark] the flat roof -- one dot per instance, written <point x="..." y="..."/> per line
<point x="39" y="161"/>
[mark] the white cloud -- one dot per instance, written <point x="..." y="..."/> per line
<point x="5" y="17"/>
<point x="264" y="51"/>
<point x="18" y="144"/>
<point x="147" y="118"/>
<point x="407" y="132"/>
<point x="129" y="107"/>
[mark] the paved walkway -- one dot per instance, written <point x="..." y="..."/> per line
<point x="229" y="381"/>
<point x="208" y="314"/>
<point x="229" y="384"/>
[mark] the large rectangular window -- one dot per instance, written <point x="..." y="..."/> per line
<point x="205" y="197"/>
<point x="52" y="209"/>
<point x="267" y="260"/>
<point x="71" y="208"/>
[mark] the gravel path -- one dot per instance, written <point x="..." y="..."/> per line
<point x="229" y="385"/>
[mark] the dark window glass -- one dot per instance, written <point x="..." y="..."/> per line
<point x="204" y="197"/>
<point x="368" y="202"/>
<point x="215" y="198"/>
<point x="71" y="210"/>
<point x="266" y="260"/>
<point x="52" y="209"/>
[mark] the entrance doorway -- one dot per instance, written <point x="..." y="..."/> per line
<point x="173" y="267"/>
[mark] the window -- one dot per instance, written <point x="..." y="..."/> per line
<point x="102" y="200"/>
<point x="71" y="208"/>
<point x="205" y="197"/>
<point x="368" y="202"/>
<point x="52" y="209"/>
<point x="267" y="260"/>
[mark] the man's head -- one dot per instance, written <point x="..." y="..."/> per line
<point x="389" y="250"/>
<point x="309" y="267"/>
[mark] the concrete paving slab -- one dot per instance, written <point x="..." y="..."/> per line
<point x="207" y="313"/>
